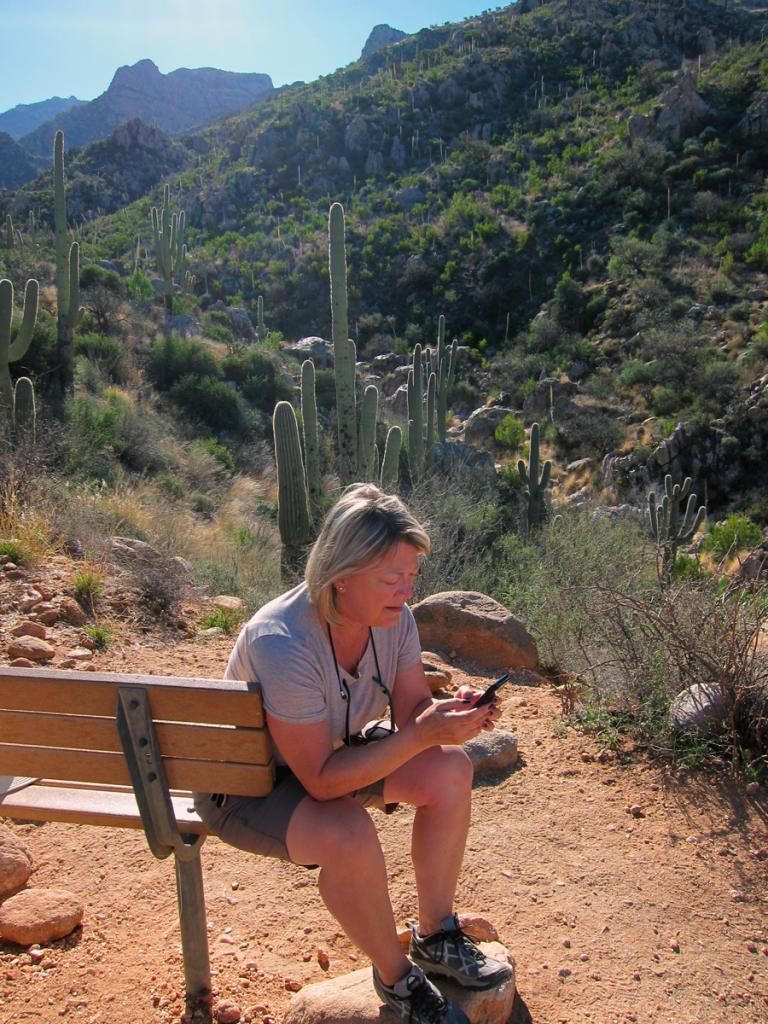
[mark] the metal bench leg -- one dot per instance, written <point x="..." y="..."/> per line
<point x="194" y="934"/>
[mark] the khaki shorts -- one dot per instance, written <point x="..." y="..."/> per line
<point x="260" y="824"/>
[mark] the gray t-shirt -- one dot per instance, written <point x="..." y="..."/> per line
<point x="286" y="649"/>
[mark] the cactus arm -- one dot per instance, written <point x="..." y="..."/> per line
<point x="24" y="411"/>
<point x="13" y="350"/>
<point x="369" y="410"/>
<point x="416" y="413"/>
<point x="74" y="311"/>
<point x="292" y="508"/>
<point x="18" y="347"/>
<point x="311" y="443"/>
<point x="390" y="464"/>
<point x="431" y="389"/>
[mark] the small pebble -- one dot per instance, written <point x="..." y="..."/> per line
<point x="567" y="943"/>
<point x="564" y="972"/>
<point x="674" y="946"/>
<point x="323" y="960"/>
<point x="292" y="985"/>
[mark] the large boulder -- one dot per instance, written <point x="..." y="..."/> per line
<point x="39" y="915"/>
<point x="492" y="751"/>
<point x="480" y="427"/>
<point x="351" y="999"/>
<point x="699" y="708"/>
<point x="317" y="349"/>
<point x="476" y="628"/>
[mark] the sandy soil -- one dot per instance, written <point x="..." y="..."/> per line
<point x="624" y="893"/>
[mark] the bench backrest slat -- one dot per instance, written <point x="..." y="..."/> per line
<point x="85" y="732"/>
<point x="217" y="701"/>
<point x="111" y="768"/>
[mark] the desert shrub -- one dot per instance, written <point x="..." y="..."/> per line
<point x="461" y="515"/>
<point x="101" y="635"/>
<point x="732" y="534"/>
<point x="210" y="401"/>
<point x="510" y="432"/>
<point x="220" y="452"/>
<point x="107" y="353"/>
<point x="171" y="358"/>
<point x="139" y="287"/>
<point x="257" y="376"/>
<point x="228" y="619"/>
<point x="89" y="584"/>
<point x="16" y="551"/>
<point x="646" y="647"/>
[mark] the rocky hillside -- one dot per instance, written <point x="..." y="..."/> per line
<point x="175" y="102"/>
<point x="17" y="166"/>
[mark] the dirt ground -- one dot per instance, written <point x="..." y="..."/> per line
<point x="624" y="893"/>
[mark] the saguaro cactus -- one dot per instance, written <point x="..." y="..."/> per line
<point x="68" y="311"/>
<point x="11" y="350"/>
<point x="535" y="478"/>
<point x="669" y="527"/>
<point x="261" y="327"/>
<point x="168" y="231"/>
<point x="343" y="347"/>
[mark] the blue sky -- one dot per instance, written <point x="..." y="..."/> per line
<point x="73" y="47"/>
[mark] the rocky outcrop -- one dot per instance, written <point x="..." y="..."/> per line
<point x="474" y="627"/>
<point x="380" y="37"/>
<point x="681" y="110"/>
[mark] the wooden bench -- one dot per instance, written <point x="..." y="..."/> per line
<point x="127" y="751"/>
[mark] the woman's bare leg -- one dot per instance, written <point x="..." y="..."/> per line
<point x="439" y="783"/>
<point x="340" y="836"/>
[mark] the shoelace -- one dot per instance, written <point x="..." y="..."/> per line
<point x="463" y="941"/>
<point x="426" y="1002"/>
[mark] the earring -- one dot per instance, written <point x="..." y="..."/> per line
<point x="340" y="588"/>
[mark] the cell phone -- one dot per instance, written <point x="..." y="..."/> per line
<point x="488" y="695"/>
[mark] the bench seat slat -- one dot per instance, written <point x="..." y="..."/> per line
<point x="86" y="806"/>
<point x="111" y="768"/>
<point x="85" y="732"/>
<point x="216" y="701"/>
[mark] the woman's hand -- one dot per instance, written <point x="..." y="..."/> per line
<point x="467" y="693"/>
<point x="453" y="721"/>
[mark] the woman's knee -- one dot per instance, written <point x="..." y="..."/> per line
<point x="440" y="775"/>
<point x="323" y="831"/>
<point x="452" y="769"/>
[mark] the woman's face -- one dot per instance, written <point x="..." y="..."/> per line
<point x="375" y="597"/>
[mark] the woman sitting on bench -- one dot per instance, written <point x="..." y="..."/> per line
<point x="332" y="655"/>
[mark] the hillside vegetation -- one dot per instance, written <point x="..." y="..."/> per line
<point x="578" y="187"/>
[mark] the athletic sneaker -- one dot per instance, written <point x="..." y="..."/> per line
<point x="416" y="1000"/>
<point x="451" y="953"/>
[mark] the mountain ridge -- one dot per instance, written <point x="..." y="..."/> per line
<point x="25" y="117"/>
<point x="175" y="102"/>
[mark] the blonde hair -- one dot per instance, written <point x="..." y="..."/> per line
<point x="359" y="530"/>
